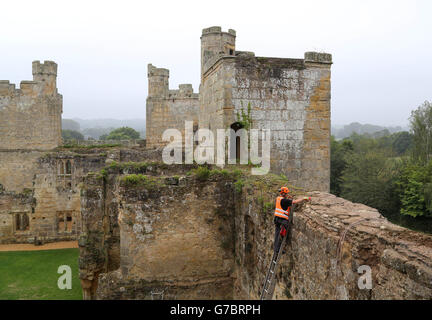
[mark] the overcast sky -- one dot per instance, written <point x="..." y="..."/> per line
<point x="382" y="50"/>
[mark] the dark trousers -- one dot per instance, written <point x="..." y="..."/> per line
<point x="279" y="222"/>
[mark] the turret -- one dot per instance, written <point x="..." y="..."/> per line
<point x="157" y="82"/>
<point x="45" y="74"/>
<point x="318" y="57"/>
<point x="215" y="42"/>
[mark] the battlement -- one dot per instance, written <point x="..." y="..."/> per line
<point x="152" y="71"/>
<point x="30" y="116"/>
<point x="185" y="91"/>
<point x="214" y="44"/>
<point x="46" y="68"/>
<point x="9" y="89"/>
<point x="318" y="57"/>
<point x="217" y="29"/>
<point x="6" y="88"/>
<point x="159" y="85"/>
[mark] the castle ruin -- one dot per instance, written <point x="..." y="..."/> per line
<point x="289" y="96"/>
<point x="148" y="230"/>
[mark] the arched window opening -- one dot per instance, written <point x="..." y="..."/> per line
<point x="235" y="142"/>
<point x="68" y="167"/>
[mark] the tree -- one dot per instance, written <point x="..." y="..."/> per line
<point x="402" y="142"/>
<point x="124" y="133"/>
<point x="421" y="128"/>
<point x="69" y="124"/>
<point x="370" y="178"/>
<point x="415" y="188"/>
<point x="338" y="153"/>
<point x="72" y="135"/>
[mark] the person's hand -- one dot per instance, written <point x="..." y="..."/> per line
<point x="307" y="199"/>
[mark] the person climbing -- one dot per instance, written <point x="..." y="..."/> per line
<point x="282" y="215"/>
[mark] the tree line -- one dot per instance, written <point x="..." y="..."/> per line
<point x="391" y="172"/>
<point x="124" y="133"/>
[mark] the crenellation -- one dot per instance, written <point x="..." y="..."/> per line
<point x="30" y="120"/>
<point x="215" y="44"/>
<point x="167" y="109"/>
<point x="6" y="88"/>
<point x="158" y="79"/>
<point x="318" y="57"/>
<point x="46" y="68"/>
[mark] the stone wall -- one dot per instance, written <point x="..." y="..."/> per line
<point x="330" y="239"/>
<point x="52" y="181"/>
<point x="15" y="212"/>
<point x="170" y="236"/>
<point x="30" y="117"/>
<point x="167" y="109"/>
<point x="178" y="236"/>
<point x="17" y="169"/>
<point x="291" y="97"/>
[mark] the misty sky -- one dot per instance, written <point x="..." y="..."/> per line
<point x="382" y="50"/>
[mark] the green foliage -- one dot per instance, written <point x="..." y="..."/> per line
<point x="415" y="186"/>
<point x="238" y="185"/>
<point x="72" y="135"/>
<point x="245" y="118"/>
<point x="237" y="174"/>
<point x="124" y="133"/>
<point x="103" y="174"/>
<point x="338" y="155"/>
<point x="370" y="178"/>
<point x="421" y="127"/>
<point x="202" y="173"/>
<point x="219" y="173"/>
<point x="402" y="142"/>
<point x="366" y="168"/>
<point x="139" y="180"/>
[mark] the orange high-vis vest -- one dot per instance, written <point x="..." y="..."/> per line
<point x="279" y="212"/>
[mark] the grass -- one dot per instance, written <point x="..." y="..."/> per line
<point x="32" y="275"/>
<point x="139" y="180"/>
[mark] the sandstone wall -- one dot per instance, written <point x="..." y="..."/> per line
<point x="30" y="117"/>
<point x="174" y="237"/>
<point x="322" y="263"/>
<point x="167" y="109"/>
<point x="51" y="182"/>
<point x="291" y="97"/>
<point x="179" y="237"/>
<point x="18" y="168"/>
<point x="14" y="206"/>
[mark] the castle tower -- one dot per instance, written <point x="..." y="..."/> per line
<point x="167" y="109"/>
<point x="46" y="75"/>
<point x="30" y="117"/>
<point x="215" y="43"/>
<point x="158" y="82"/>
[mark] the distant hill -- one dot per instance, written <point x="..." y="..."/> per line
<point x="340" y="132"/>
<point x="94" y="128"/>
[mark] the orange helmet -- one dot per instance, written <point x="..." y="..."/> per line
<point x="284" y="190"/>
